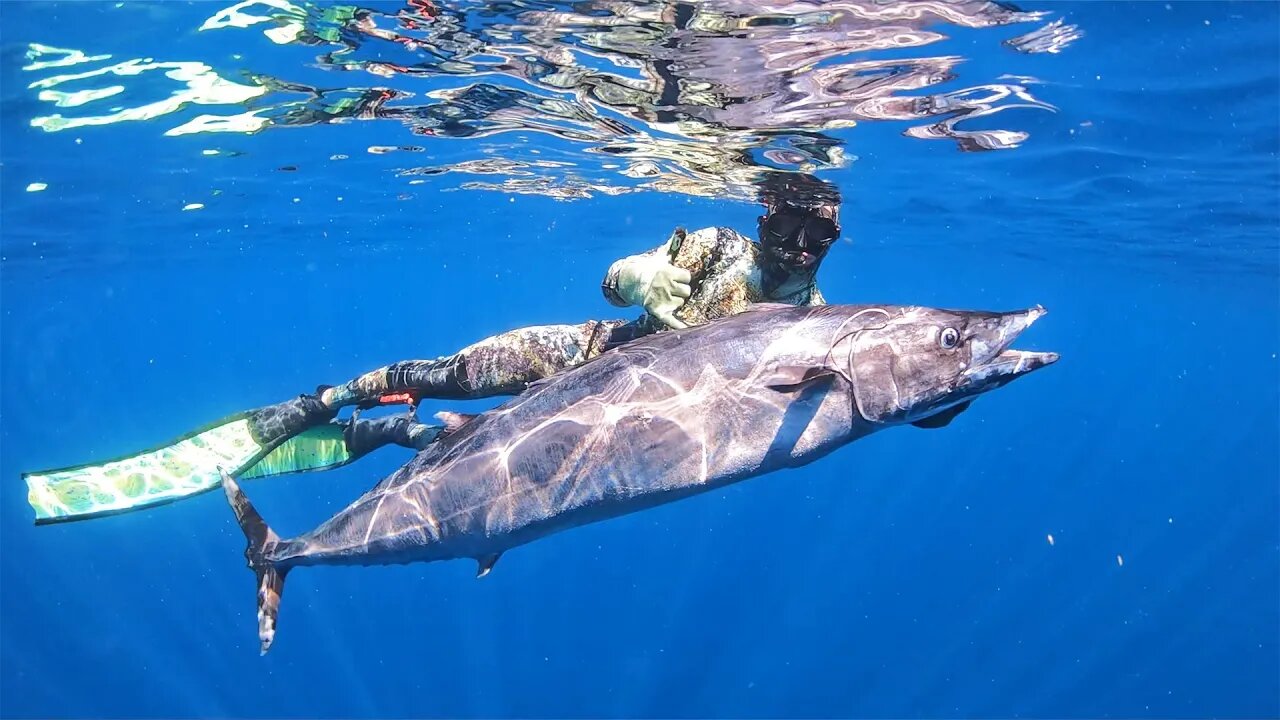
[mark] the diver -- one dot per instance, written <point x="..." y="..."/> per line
<point x="692" y="278"/>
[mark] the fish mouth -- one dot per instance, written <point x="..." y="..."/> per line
<point x="995" y="363"/>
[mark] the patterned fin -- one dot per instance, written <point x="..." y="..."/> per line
<point x="183" y="468"/>
<point x="180" y="469"/>
<point x="319" y="448"/>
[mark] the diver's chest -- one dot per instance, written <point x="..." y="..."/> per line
<point x="724" y="289"/>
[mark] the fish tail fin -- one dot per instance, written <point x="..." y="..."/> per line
<point x="270" y="575"/>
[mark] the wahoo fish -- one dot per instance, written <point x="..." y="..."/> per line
<point x="659" y="419"/>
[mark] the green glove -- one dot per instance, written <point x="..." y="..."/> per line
<point x="653" y="283"/>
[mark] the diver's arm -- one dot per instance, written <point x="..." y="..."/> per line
<point x="651" y="281"/>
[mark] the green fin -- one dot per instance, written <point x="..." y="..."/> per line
<point x="318" y="448"/>
<point x="185" y="467"/>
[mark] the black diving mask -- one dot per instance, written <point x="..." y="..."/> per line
<point x="797" y="237"/>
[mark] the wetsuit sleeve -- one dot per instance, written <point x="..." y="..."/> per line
<point x="721" y="264"/>
<point x="713" y="251"/>
<point x="504" y="364"/>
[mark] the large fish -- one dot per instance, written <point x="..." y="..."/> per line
<point x="662" y="418"/>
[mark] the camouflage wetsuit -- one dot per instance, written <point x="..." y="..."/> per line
<point x="727" y="276"/>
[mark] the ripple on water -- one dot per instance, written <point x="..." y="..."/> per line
<point x="705" y="100"/>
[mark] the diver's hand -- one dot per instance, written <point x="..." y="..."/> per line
<point x="656" y="285"/>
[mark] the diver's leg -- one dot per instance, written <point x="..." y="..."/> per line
<point x="334" y="444"/>
<point x="297" y="435"/>
<point x="501" y="365"/>
<point x="365" y="436"/>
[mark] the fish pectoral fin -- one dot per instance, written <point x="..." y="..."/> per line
<point x="486" y="564"/>
<point x="790" y="378"/>
<point x="944" y="418"/>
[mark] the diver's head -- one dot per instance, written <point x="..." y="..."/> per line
<point x="800" y="223"/>
<point x="797" y="238"/>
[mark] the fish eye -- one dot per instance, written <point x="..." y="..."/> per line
<point x="949" y="338"/>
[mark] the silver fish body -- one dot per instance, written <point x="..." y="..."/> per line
<point x="659" y="419"/>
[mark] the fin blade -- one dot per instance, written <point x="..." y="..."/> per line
<point x="262" y="539"/>
<point x="179" y="469"/>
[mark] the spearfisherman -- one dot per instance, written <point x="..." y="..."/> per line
<point x="690" y="279"/>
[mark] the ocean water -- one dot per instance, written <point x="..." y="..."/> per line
<point x="208" y="208"/>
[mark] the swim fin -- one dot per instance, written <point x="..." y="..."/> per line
<point x="288" y="437"/>
<point x="184" y="467"/>
<point x="319" y="448"/>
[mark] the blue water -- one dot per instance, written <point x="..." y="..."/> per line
<point x="909" y="575"/>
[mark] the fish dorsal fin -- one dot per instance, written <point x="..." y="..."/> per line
<point x="943" y="418"/>
<point x="486" y="564"/>
<point x="790" y="378"/>
<point x="452" y="420"/>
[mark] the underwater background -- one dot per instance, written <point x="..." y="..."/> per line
<point x="209" y="208"/>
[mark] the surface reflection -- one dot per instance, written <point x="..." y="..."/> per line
<point x="702" y="98"/>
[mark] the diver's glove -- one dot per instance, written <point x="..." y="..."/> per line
<point x="652" y="282"/>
